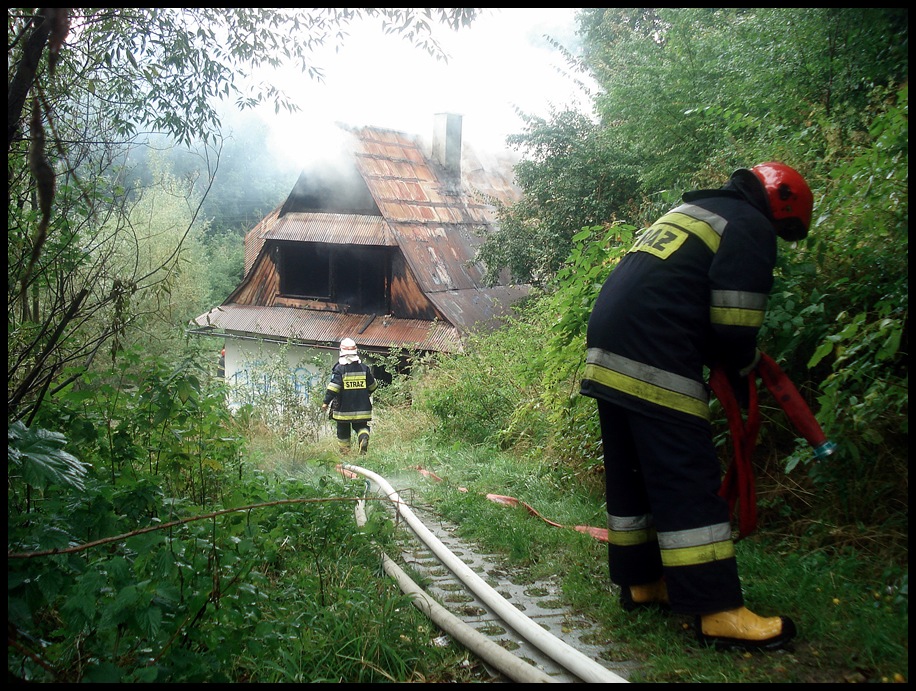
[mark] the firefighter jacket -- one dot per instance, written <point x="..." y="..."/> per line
<point x="353" y="385"/>
<point x="691" y="292"/>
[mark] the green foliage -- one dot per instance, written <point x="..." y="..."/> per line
<point x="554" y="402"/>
<point x="147" y="415"/>
<point x="472" y="396"/>
<point x="208" y="600"/>
<point x="38" y="457"/>
<point x="687" y="96"/>
<point x="850" y="315"/>
<point x="151" y="588"/>
<point x="160" y="252"/>
<point x="226" y="263"/>
<point x="396" y="373"/>
<point x="573" y="176"/>
<point x="692" y="91"/>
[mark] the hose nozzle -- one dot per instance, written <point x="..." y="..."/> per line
<point x="824" y="450"/>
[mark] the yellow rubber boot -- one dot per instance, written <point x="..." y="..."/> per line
<point x="742" y="629"/>
<point x="653" y="594"/>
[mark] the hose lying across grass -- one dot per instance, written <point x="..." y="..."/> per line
<point x="513" y="667"/>
<point x="597" y="533"/>
<point x="563" y="654"/>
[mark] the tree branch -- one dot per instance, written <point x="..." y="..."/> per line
<point x="172" y="524"/>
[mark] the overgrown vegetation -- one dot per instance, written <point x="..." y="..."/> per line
<point x="164" y="553"/>
<point x="154" y="536"/>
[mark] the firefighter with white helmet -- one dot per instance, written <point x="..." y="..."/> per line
<point x="690" y="293"/>
<point x="351" y="387"/>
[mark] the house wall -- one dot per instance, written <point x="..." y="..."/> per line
<point x="263" y="286"/>
<point x="252" y="368"/>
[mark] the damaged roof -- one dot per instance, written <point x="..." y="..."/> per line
<point x="394" y="195"/>
<point x="438" y="223"/>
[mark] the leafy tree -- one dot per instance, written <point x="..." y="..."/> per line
<point x="225" y="262"/>
<point x="696" y="90"/>
<point x="162" y="244"/>
<point x="572" y="177"/>
<point x="688" y="95"/>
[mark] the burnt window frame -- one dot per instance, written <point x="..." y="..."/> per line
<point x="297" y="284"/>
<point x="358" y="277"/>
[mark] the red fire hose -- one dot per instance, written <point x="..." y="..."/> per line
<point x="738" y="483"/>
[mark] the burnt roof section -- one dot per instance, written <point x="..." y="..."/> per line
<point x="336" y="188"/>
<point x="342" y="229"/>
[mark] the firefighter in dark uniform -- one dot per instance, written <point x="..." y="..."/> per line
<point x="352" y="384"/>
<point x="690" y="293"/>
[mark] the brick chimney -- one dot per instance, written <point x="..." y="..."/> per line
<point x="447" y="142"/>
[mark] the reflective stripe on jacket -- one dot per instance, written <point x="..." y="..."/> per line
<point x="691" y="292"/>
<point x="353" y="384"/>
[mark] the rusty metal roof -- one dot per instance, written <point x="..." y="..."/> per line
<point x="346" y="229"/>
<point x="321" y="327"/>
<point x="438" y="223"/>
<point x="254" y="238"/>
<point x="475" y="308"/>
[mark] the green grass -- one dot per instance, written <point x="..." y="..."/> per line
<point x="852" y="615"/>
<point x="336" y="616"/>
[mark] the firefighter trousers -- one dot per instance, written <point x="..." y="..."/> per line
<point x="345" y="428"/>
<point x="665" y="515"/>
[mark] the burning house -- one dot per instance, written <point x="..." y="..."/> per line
<point x="381" y="250"/>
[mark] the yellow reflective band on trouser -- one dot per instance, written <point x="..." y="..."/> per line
<point x="691" y="399"/>
<point x="627" y="531"/>
<point x="353" y="415"/>
<point x="631" y="538"/>
<point x="696" y="546"/>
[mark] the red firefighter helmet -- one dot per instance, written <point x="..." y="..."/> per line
<point x="791" y="201"/>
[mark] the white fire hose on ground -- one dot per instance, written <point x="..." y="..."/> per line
<point x="513" y="667"/>
<point x="568" y="657"/>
